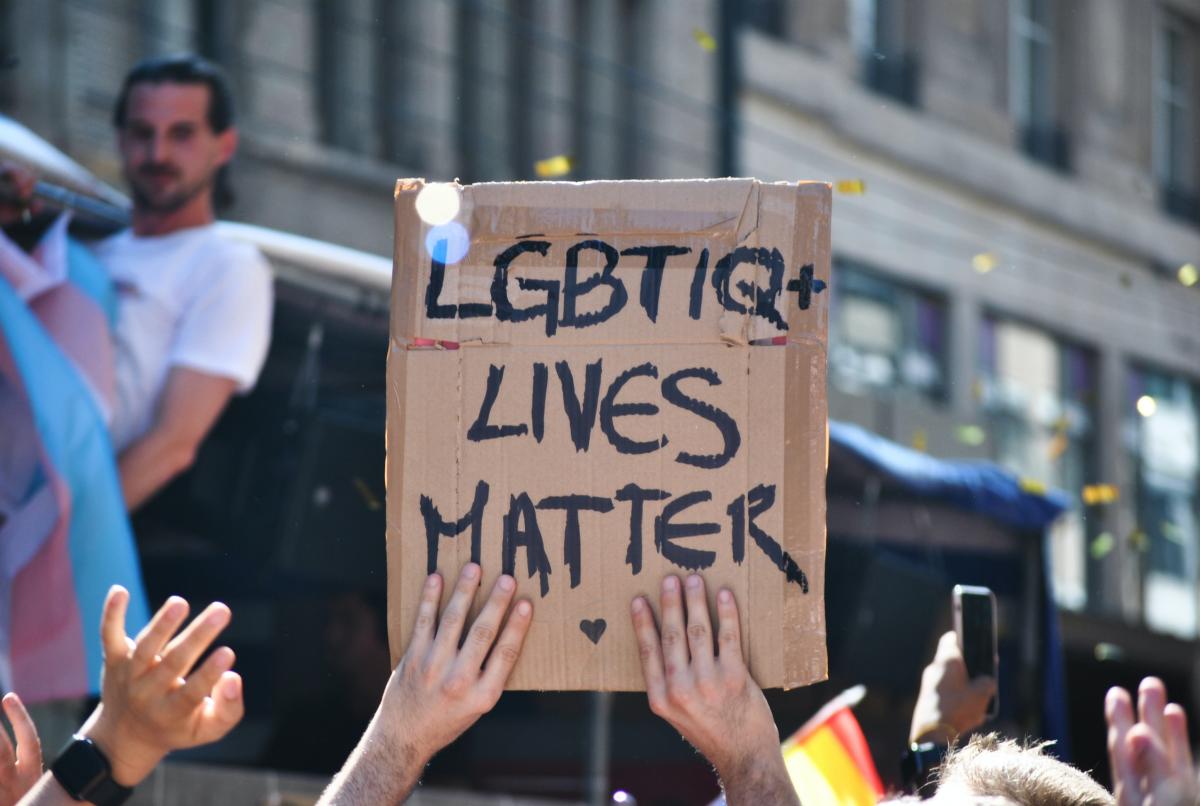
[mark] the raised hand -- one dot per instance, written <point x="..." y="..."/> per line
<point x="20" y="767"/>
<point x="949" y="703"/>
<point x="151" y="700"/>
<point x="704" y="690"/>
<point x="1151" y="758"/>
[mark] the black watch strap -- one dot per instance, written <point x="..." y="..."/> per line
<point x="83" y="771"/>
<point x="918" y="764"/>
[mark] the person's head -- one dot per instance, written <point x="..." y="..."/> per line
<point x="174" y="122"/>
<point x="1023" y="774"/>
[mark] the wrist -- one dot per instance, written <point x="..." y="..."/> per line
<point x="130" y="760"/>
<point x="935" y="732"/>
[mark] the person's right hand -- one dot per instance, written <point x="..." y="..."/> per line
<point x="151" y="700"/>
<point x="1151" y="759"/>
<point x="440" y="689"/>
<point x="704" y="690"/>
<point x="16" y="192"/>
<point x="949" y="703"/>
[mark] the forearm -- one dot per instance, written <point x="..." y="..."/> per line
<point x="148" y="464"/>
<point x="382" y="769"/>
<point x="758" y="780"/>
<point x="47" y="792"/>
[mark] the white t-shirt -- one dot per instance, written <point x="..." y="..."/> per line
<point x="191" y="299"/>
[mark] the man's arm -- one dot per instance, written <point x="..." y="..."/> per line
<point x="708" y="694"/>
<point x="191" y="403"/>
<point x="152" y="700"/>
<point x="437" y="691"/>
<point x="949" y="703"/>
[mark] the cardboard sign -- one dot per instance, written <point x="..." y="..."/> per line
<point x="639" y="390"/>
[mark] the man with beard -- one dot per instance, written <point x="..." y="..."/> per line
<point x="193" y="321"/>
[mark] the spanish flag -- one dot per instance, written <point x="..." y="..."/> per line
<point x="828" y="758"/>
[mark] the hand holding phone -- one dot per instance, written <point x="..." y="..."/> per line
<point x="975" y="626"/>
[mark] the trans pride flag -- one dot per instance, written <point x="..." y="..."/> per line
<point x="64" y="534"/>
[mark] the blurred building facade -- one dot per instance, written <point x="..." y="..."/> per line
<point x="1021" y="205"/>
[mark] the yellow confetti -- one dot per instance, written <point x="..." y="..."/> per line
<point x="852" y="187"/>
<point x="1058" y="445"/>
<point x="985" y="262"/>
<point x="977" y="389"/>
<point x="1189" y="275"/>
<point x="704" y="39"/>
<point x="1139" y="540"/>
<point x="971" y="435"/>
<point x="920" y="440"/>
<point x="1106" y="651"/>
<point x="1102" y="546"/>
<point x="368" y="497"/>
<point x="1094" y="494"/>
<point x="1033" y="486"/>
<point x="559" y="165"/>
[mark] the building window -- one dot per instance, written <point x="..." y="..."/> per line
<point x="1163" y="433"/>
<point x="1175" y="112"/>
<point x="1038" y="395"/>
<point x="1032" y="78"/>
<point x="768" y="16"/>
<point x="347" y="78"/>
<point x="885" y="336"/>
<point x="882" y="35"/>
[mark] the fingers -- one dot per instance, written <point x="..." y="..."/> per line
<point x="699" y="626"/>
<point x="426" y="623"/>
<point x="729" y="631"/>
<point x="508" y="648"/>
<point x="1118" y="712"/>
<point x="7" y="754"/>
<point x="181" y="653"/>
<point x="947" y="647"/>
<point x="449" y="630"/>
<point x="29" y="746"/>
<point x="487" y="625"/>
<point x="1152" y="699"/>
<point x="200" y="683"/>
<point x="155" y="635"/>
<point x="674" y="646"/>
<point x="650" y="651"/>
<point x="1179" y="750"/>
<point x="113" y="639"/>
<point x="223" y="709"/>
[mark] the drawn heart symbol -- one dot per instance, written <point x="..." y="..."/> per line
<point x="593" y="629"/>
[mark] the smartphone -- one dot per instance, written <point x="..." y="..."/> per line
<point x="975" y="624"/>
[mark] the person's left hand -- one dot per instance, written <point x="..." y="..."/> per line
<point x="20" y="767"/>
<point x="705" y="691"/>
<point x="151" y="700"/>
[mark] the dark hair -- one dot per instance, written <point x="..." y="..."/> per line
<point x="186" y="69"/>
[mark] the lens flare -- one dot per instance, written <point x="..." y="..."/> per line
<point x="438" y="203"/>
<point x="447" y="243"/>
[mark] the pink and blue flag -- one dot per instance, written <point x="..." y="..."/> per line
<point x="65" y="537"/>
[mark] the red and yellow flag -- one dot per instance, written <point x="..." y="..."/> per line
<point x="828" y="758"/>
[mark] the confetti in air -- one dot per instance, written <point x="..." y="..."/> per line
<point x="851" y="187"/>
<point x="1033" y="486"/>
<point x="984" y="262"/>
<point x="920" y="440"/>
<point x="704" y="39"/>
<point x="1139" y="540"/>
<point x="550" y="167"/>
<point x="1189" y="275"/>
<point x="971" y="435"/>
<point x="1094" y="494"/>
<point x="1102" y="546"/>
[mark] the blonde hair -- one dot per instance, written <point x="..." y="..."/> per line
<point x="1019" y="772"/>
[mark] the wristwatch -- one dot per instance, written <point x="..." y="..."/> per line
<point x="84" y="772"/>
<point x="917" y="764"/>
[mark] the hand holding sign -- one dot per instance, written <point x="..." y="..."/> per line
<point x="438" y="689"/>
<point x="708" y="694"/>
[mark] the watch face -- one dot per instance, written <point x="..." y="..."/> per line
<point x="81" y="767"/>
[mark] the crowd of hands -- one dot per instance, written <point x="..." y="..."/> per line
<point x="156" y="699"/>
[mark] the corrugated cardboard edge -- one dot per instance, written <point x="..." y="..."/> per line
<point x="809" y="463"/>
<point x="394" y="439"/>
